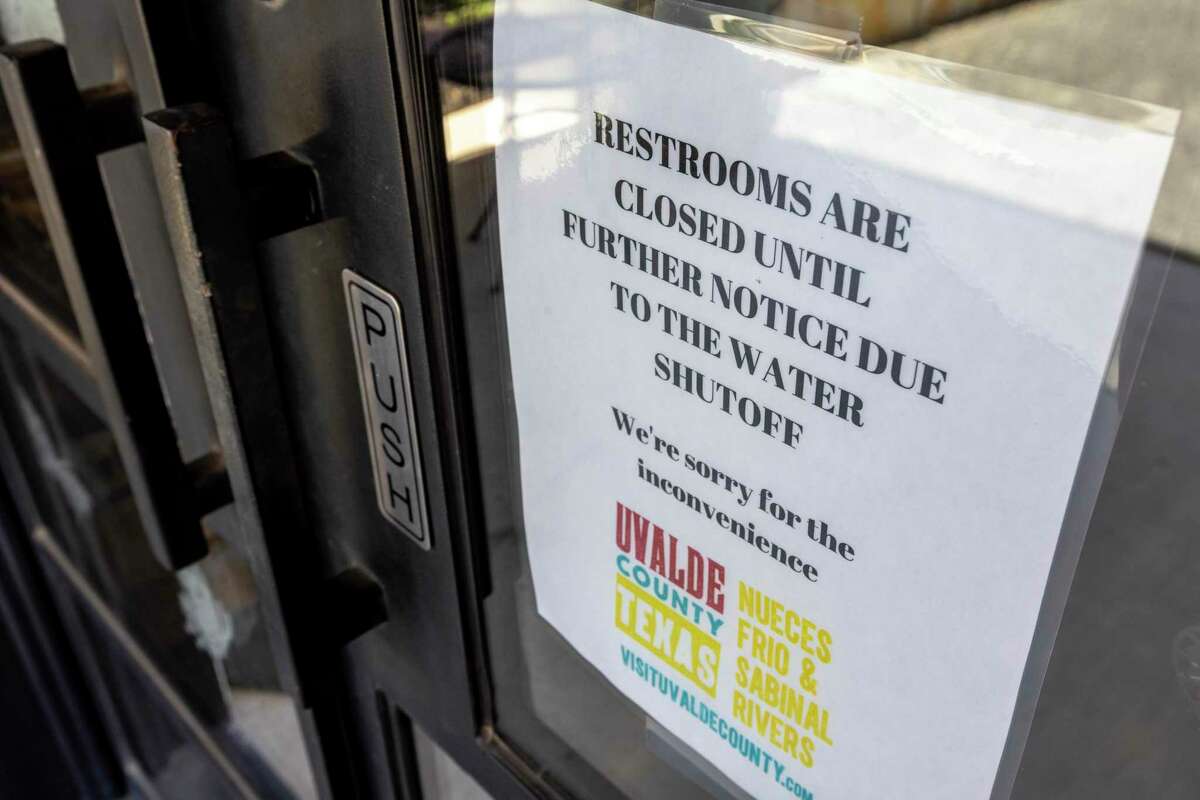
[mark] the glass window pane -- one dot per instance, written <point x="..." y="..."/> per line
<point x="1113" y="721"/>
<point x="202" y="626"/>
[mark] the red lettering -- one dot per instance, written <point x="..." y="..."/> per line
<point x="716" y="585"/>
<point x="699" y="576"/>
<point x="695" y="576"/>
<point x="658" y="554"/>
<point x="623" y="539"/>
<point x="677" y="576"/>
<point x="641" y="527"/>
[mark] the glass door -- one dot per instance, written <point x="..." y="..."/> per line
<point x="370" y="405"/>
<point x="557" y="708"/>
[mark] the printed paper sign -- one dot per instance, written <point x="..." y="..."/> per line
<point x="804" y="356"/>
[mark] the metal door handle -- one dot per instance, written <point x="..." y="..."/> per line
<point x="207" y="198"/>
<point x="60" y="132"/>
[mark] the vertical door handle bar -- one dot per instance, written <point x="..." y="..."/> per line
<point x="59" y="138"/>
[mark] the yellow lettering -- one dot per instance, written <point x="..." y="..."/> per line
<point x="694" y="653"/>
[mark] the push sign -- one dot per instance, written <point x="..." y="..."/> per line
<point x="378" y="333"/>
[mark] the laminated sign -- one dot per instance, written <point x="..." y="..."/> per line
<point x="805" y="356"/>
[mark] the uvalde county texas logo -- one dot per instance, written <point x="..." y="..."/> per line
<point x="670" y="599"/>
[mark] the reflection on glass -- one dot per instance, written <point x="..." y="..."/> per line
<point x="27" y="261"/>
<point x="202" y="626"/>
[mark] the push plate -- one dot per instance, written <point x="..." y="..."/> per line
<point x="378" y="331"/>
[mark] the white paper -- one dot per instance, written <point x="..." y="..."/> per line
<point x="1024" y="228"/>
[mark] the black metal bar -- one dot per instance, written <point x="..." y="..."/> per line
<point x="52" y="124"/>
<point x="419" y="111"/>
<point x="212" y="239"/>
<point x="281" y="194"/>
<point x="210" y="482"/>
<point x="206" y="218"/>
<point x="113" y="121"/>
<point x="349" y="604"/>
